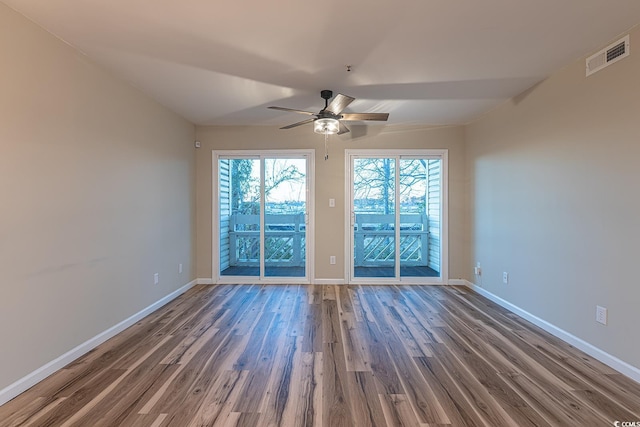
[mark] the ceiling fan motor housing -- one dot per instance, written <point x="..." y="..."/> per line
<point x="324" y="114"/>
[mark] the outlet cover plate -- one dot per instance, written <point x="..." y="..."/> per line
<point x="601" y="314"/>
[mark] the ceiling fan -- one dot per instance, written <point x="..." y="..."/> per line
<point x="329" y="120"/>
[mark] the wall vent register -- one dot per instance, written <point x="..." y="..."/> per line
<point x="609" y="55"/>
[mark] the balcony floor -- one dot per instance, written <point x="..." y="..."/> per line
<point x="412" y="271"/>
<point x="270" y="271"/>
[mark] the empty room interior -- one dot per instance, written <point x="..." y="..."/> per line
<point x="319" y="214"/>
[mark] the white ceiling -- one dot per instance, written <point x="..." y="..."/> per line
<point x="423" y="61"/>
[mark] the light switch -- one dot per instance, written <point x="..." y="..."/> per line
<point x="332" y="203"/>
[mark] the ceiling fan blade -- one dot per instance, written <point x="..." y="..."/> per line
<point x="339" y="103"/>
<point x="382" y="117"/>
<point x="291" y="110"/>
<point x="343" y="129"/>
<point x="304" y="122"/>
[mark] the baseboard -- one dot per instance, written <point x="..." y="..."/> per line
<point x="24" y="383"/>
<point x="342" y="282"/>
<point x="593" y="351"/>
<point x="468" y="284"/>
<point x="204" y="281"/>
<point x="328" y="281"/>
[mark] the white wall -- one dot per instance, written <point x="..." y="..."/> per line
<point x="330" y="182"/>
<point x="554" y="178"/>
<point x="97" y="193"/>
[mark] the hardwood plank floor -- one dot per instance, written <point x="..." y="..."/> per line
<point x="320" y="356"/>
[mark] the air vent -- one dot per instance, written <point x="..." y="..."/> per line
<point x="607" y="56"/>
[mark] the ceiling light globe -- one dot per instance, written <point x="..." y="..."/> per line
<point x="327" y="126"/>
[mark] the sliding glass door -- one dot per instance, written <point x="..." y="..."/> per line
<point x="262" y="216"/>
<point x="239" y="194"/>
<point x="373" y="206"/>
<point x="397" y="201"/>
<point x="420" y="211"/>
<point x="285" y="212"/>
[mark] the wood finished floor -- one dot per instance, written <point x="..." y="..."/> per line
<point x="330" y="356"/>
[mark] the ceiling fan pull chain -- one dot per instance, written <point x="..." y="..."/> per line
<point x="326" y="145"/>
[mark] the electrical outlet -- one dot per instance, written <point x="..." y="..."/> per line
<point x="156" y="278"/>
<point x="601" y="315"/>
<point x="332" y="259"/>
<point x="180" y="268"/>
<point x="505" y="277"/>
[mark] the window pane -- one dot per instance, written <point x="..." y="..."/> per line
<point x="374" y="217"/>
<point x="419" y="217"/>
<point x="239" y="205"/>
<point x="285" y="208"/>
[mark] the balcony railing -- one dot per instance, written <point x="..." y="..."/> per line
<point x="284" y="240"/>
<point x="374" y="240"/>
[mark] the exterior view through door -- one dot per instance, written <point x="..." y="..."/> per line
<point x="397" y="222"/>
<point x="262" y="216"/>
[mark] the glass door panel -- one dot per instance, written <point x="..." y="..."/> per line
<point x="419" y="217"/>
<point x="373" y="216"/>
<point x="239" y="216"/>
<point x="285" y="210"/>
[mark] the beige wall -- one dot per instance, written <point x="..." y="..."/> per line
<point x="330" y="182"/>
<point x="554" y="178"/>
<point x="96" y="193"/>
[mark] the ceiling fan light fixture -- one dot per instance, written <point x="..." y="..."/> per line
<point x="326" y="126"/>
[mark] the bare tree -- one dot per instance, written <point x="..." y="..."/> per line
<point x="245" y="193"/>
<point x="374" y="178"/>
<point x="279" y="173"/>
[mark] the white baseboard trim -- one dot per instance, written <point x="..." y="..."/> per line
<point x="459" y="282"/>
<point x="593" y="351"/>
<point x="328" y="281"/>
<point x="28" y="381"/>
<point x="204" y="281"/>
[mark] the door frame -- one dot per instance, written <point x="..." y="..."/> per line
<point x="443" y="155"/>
<point x="310" y="222"/>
